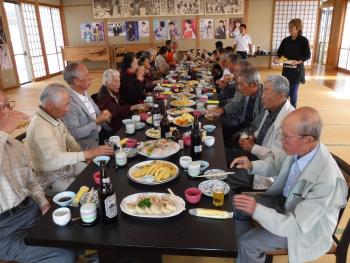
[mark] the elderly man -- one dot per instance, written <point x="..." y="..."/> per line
<point x="266" y="141"/>
<point x="21" y="197"/>
<point x="84" y="120"/>
<point x="300" y="210"/>
<point x="249" y="111"/>
<point x="57" y="158"/>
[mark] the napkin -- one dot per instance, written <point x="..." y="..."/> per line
<point x="210" y="213"/>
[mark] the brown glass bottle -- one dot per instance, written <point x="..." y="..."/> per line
<point x="164" y="125"/>
<point x="108" y="200"/>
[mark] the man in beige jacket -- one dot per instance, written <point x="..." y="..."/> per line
<point x="56" y="157"/>
<point x="300" y="210"/>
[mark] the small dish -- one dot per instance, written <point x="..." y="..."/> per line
<point x="215" y="171"/>
<point x="204" y="165"/>
<point x="207" y="186"/>
<point x="131" y="152"/>
<point x="209" y="128"/>
<point x="98" y="159"/>
<point x="140" y="125"/>
<point x="209" y="141"/>
<point x="64" y="198"/>
<point x="126" y="121"/>
<point x="148" y="178"/>
<point x="61" y="216"/>
<point x="209" y="94"/>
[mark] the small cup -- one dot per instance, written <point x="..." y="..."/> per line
<point x="194" y="168"/>
<point x="115" y="140"/>
<point x="184" y="161"/>
<point x="187" y="140"/>
<point x="130" y="128"/>
<point x="131" y="143"/>
<point x="136" y="118"/>
<point x="193" y="195"/>
<point x="121" y="158"/>
<point x="97" y="177"/>
<point x="209" y="140"/>
<point x="244" y="135"/>
<point x="61" y="216"/>
<point x="200" y="105"/>
<point x="88" y="212"/>
<point x="198" y="92"/>
<point x="144" y="116"/>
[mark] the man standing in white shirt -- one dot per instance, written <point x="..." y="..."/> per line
<point x="243" y="43"/>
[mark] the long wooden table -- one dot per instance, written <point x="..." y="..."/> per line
<point x="147" y="239"/>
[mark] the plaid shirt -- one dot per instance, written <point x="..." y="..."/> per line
<point x="16" y="176"/>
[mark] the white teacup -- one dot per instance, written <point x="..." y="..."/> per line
<point x="130" y="128"/>
<point x="121" y="158"/>
<point x="115" y="140"/>
<point x="88" y="212"/>
<point x="61" y="216"/>
<point x="209" y="140"/>
<point x="136" y="118"/>
<point x="184" y="161"/>
<point x="194" y="168"/>
<point x="198" y="92"/>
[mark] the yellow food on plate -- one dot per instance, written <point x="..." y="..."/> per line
<point x="182" y="103"/>
<point x="185" y="119"/>
<point x="160" y="170"/>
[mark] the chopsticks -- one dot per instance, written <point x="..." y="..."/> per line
<point x="88" y="200"/>
<point x="213" y="175"/>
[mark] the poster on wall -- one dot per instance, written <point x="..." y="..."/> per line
<point x="92" y="32"/>
<point x="160" y="29"/>
<point x="144" y="28"/>
<point x="187" y="7"/>
<point x="103" y="8"/>
<point x="145" y="7"/>
<point x="174" y="26"/>
<point x="224" y="7"/>
<point x="221" y="28"/>
<point x="189" y="29"/>
<point x="234" y="24"/>
<point x="132" y="31"/>
<point x="206" y="28"/>
<point x="5" y="58"/>
<point x="116" y="29"/>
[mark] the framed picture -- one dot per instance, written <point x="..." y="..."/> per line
<point x="206" y="27"/>
<point x="160" y="29"/>
<point x="132" y="31"/>
<point x="116" y="29"/>
<point x="144" y="28"/>
<point x="221" y="28"/>
<point x="234" y="24"/>
<point x="103" y="8"/>
<point x="189" y="29"/>
<point x="224" y="7"/>
<point x="174" y="27"/>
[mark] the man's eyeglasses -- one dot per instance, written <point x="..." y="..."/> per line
<point x="7" y="103"/>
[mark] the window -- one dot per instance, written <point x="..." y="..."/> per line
<point x="33" y="37"/>
<point x="344" y="56"/>
<point x="53" y="37"/>
<point x="286" y="11"/>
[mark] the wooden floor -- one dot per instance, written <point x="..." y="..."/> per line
<point x="326" y="90"/>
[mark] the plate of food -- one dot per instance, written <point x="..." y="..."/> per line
<point x="152" y="205"/>
<point x="185" y="120"/>
<point x="153" y="172"/>
<point x="207" y="186"/>
<point x="155" y="133"/>
<point x="183" y="96"/>
<point x="192" y="82"/>
<point x="158" y="149"/>
<point x="179" y="111"/>
<point x="182" y="103"/>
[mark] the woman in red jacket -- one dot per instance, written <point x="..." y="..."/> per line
<point x="108" y="99"/>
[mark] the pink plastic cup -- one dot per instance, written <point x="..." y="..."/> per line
<point x="131" y="143"/>
<point x="193" y="195"/>
<point x="143" y="116"/>
<point x="187" y="140"/>
<point x="96" y="177"/>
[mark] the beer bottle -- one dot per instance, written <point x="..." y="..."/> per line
<point x="165" y="125"/>
<point x="108" y="200"/>
<point x="196" y="141"/>
<point x="156" y="115"/>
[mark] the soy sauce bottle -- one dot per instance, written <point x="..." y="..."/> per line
<point x="164" y="125"/>
<point x="108" y="200"/>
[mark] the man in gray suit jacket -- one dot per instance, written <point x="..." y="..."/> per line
<point x="300" y="210"/>
<point x="84" y="120"/>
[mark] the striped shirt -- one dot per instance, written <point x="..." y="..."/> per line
<point x="17" y="180"/>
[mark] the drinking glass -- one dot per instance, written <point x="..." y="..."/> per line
<point x="218" y="194"/>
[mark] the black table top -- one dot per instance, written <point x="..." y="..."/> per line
<point x="183" y="234"/>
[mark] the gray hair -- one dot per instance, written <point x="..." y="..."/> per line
<point x="71" y="72"/>
<point x="279" y="83"/>
<point x="251" y="75"/>
<point x="53" y="92"/>
<point x="108" y="76"/>
<point x="233" y="58"/>
<point x="243" y="64"/>
<point x="310" y="123"/>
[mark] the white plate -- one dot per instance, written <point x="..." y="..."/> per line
<point x="141" y="181"/>
<point x="171" y="149"/>
<point x="176" y="112"/>
<point x="183" y="96"/>
<point x="215" y="171"/>
<point x="190" y="103"/>
<point x="179" y="203"/>
<point x="155" y="134"/>
<point x="206" y="187"/>
<point x="184" y="126"/>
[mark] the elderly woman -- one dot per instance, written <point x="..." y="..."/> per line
<point x="108" y="99"/>
<point x="132" y="80"/>
<point x="161" y="64"/>
<point x="150" y="80"/>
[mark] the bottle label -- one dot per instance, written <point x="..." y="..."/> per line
<point x="198" y="148"/>
<point x="106" y="180"/>
<point x="111" y="206"/>
<point x="156" y="120"/>
<point x="167" y="135"/>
